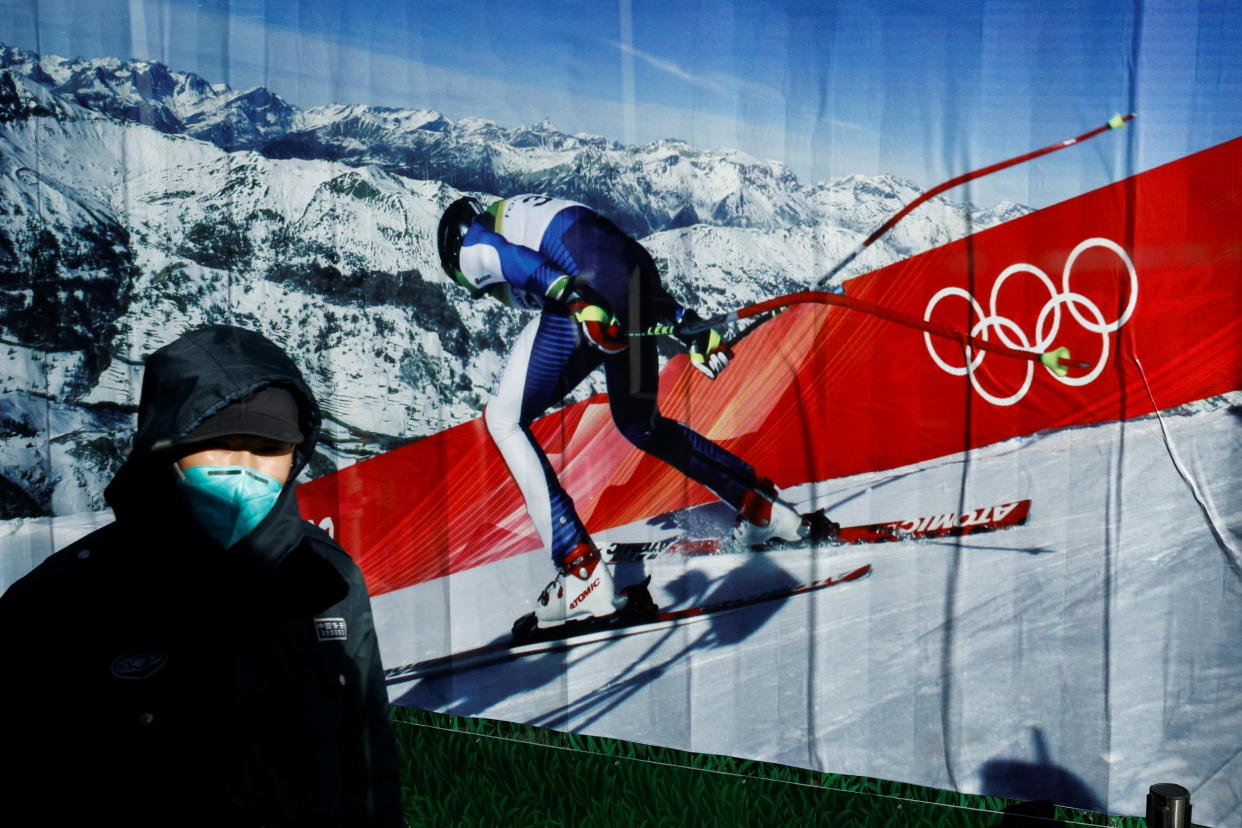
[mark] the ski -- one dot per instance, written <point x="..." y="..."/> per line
<point x="949" y="524"/>
<point x="576" y="634"/>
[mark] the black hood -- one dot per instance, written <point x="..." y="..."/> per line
<point x="183" y="384"/>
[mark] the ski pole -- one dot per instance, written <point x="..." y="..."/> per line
<point x="1116" y="122"/>
<point x="1055" y="360"/>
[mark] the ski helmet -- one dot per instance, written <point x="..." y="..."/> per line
<point x="454" y="225"/>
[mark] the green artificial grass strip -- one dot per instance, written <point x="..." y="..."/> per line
<point x="469" y="771"/>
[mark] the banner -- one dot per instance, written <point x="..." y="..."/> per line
<point x="1006" y="569"/>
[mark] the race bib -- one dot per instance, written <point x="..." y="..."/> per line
<point x="524" y="219"/>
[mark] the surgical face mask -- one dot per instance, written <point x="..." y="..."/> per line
<point x="227" y="501"/>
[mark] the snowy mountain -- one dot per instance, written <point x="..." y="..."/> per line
<point x="147" y="92"/>
<point x="138" y="202"/>
<point x="115" y="238"/>
<point x="663" y="185"/>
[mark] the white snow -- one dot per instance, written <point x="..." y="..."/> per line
<point x="1094" y="648"/>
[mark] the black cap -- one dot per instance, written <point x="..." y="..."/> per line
<point x="271" y="413"/>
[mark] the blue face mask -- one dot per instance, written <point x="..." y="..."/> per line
<point x="228" y="501"/>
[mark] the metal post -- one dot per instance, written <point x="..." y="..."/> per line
<point x="1168" y="806"/>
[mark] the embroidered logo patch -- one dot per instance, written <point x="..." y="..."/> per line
<point x="330" y="629"/>
<point x="139" y="665"/>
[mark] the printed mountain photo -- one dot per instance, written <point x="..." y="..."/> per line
<point x="140" y="201"/>
<point x="943" y="491"/>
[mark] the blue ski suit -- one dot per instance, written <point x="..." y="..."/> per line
<point x="516" y="251"/>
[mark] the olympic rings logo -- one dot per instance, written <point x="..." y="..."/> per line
<point x="1047" y="326"/>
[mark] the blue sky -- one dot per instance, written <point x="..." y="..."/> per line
<point x="924" y="90"/>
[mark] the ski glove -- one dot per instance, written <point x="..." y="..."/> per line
<point x="709" y="353"/>
<point x="601" y="329"/>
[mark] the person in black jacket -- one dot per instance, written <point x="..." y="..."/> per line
<point x="209" y="658"/>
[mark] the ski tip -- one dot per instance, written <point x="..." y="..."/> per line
<point x="1118" y="120"/>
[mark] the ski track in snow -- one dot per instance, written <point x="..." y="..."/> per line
<point x="1080" y="658"/>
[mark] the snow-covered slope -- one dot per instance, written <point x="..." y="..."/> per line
<point x="1078" y="659"/>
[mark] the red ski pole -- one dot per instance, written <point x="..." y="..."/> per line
<point x="1116" y="122"/>
<point x="1056" y="360"/>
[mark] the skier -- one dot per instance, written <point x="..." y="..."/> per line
<point x="593" y="286"/>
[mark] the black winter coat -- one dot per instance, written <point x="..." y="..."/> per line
<point x="154" y="677"/>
